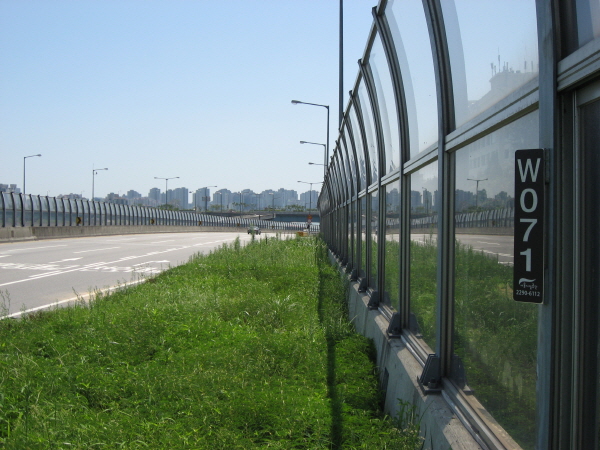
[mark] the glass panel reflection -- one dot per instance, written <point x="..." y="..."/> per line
<point x="392" y="245"/>
<point x="8" y="211"/>
<point x="588" y="20"/>
<point x="374" y="214"/>
<point x="387" y="106"/>
<point x="363" y="237"/>
<point x="493" y="51"/>
<point x="351" y="162"/>
<point x="423" y="252"/>
<point x="360" y="151"/>
<point x="494" y="336"/>
<point x="27" y="210"/>
<point x="18" y="202"/>
<point x="369" y="122"/>
<point x="352" y="233"/>
<point x="411" y="39"/>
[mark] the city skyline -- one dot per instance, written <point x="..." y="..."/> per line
<point x="196" y="199"/>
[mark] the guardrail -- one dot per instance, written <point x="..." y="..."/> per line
<point x="19" y="210"/>
<point x="490" y="218"/>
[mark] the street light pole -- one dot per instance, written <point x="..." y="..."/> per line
<point x="310" y="192"/>
<point x="24" y="158"/>
<point x="94" y="171"/>
<point x="166" y="187"/>
<point x="476" y="189"/>
<point x="298" y="102"/>
<point x="324" y="155"/>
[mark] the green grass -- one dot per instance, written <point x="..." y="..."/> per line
<point x="245" y="348"/>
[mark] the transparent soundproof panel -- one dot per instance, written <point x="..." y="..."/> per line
<point x="18" y="202"/>
<point x="363" y="236"/>
<point x="8" y="209"/>
<point x="349" y="166"/>
<point x="423" y="253"/>
<point x="588" y="20"/>
<point x="409" y="30"/>
<point x="369" y="123"/>
<point x="387" y="106"/>
<point x="494" y="336"/>
<point x="27" y="211"/>
<point x="352" y="233"/>
<point x="351" y="161"/>
<point x="360" y="151"/>
<point x="493" y="51"/>
<point x="392" y="245"/>
<point x="374" y="244"/>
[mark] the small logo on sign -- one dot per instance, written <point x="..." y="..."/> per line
<point x="528" y="284"/>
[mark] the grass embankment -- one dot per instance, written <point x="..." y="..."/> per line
<point x="245" y="348"/>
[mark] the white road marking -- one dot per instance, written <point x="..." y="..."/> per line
<point x="87" y="267"/>
<point x="162" y="242"/>
<point x="63" y="260"/>
<point x="33" y="248"/>
<point x="79" y="297"/>
<point x="96" y="250"/>
<point x="488" y="243"/>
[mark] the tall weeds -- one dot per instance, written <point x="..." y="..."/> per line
<point x="244" y="348"/>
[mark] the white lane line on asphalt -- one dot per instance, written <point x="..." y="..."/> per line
<point x="63" y="260"/>
<point x="79" y="297"/>
<point x="96" y="250"/>
<point x="45" y="274"/>
<point x="33" y="248"/>
<point x="208" y="243"/>
<point x="162" y="242"/>
<point x="488" y="243"/>
<point x="95" y="264"/>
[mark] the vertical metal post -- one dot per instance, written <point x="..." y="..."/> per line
<point x="341" y="77"/>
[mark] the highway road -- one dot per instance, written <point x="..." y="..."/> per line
<point x="41" y="274"/>
<point x="496" y="246"/>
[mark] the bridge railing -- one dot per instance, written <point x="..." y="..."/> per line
<point x="490" y="218"/>
<point x="27" y="210"/>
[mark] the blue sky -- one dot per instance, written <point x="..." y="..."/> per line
<point x="191" y="88"/>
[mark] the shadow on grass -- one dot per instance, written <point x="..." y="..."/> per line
<point x="332" y="391"/>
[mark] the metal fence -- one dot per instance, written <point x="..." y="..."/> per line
<point x="20" y="210"/>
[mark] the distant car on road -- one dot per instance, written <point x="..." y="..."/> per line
<point x="253" y="230"/>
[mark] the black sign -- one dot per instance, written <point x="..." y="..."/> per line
<point x="529" y="226"/>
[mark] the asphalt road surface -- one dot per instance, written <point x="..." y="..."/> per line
<point x="41" y="274"/>
<point x="495" y="246"/>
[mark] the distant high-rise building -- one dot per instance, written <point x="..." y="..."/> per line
<point x="131" y="195"/>
<point x="179" y="197"/>
<point x="201" y="198"/>
<point x="223" y="198"/>
<point x="154" y="194"/>
<point x="309" y="199"/>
